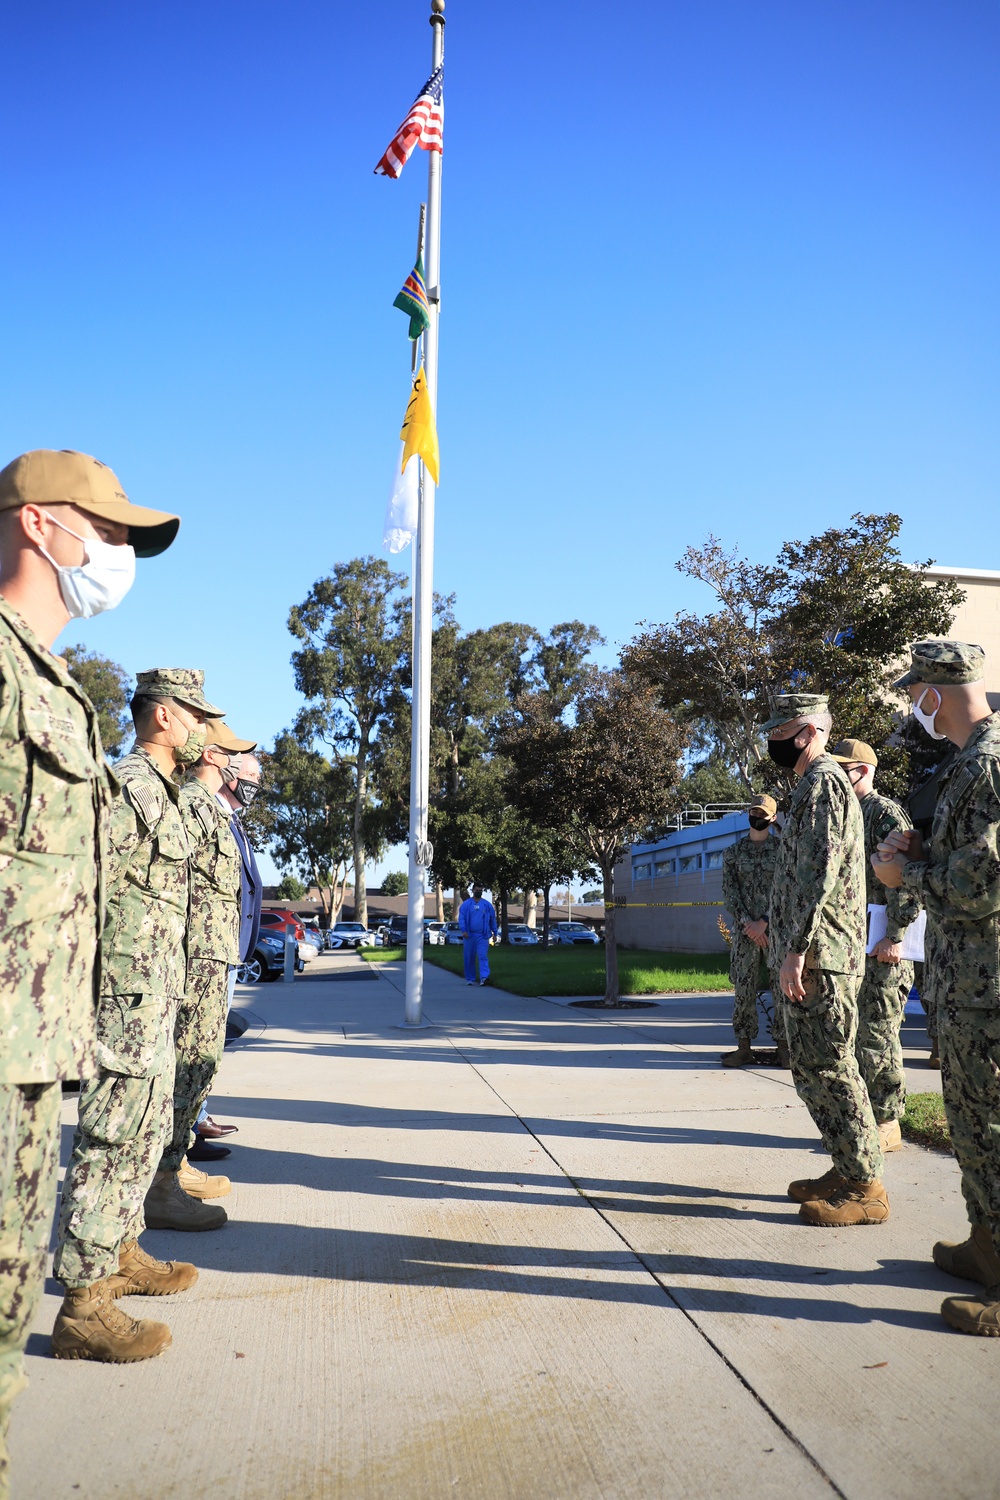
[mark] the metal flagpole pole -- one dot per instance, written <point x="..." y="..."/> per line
<point x="423" y="597"/>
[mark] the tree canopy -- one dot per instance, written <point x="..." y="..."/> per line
<point x="109" y="688"/>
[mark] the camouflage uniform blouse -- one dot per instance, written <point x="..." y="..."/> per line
<point x="747" y="873"/>
<point x="818" y="895"/>
<point x="959" y="884"/>
<point x="882" y="816"/>
<point x="142" y="947"/>
<point x="214" y="921"/>
<point x="55" y="792"/>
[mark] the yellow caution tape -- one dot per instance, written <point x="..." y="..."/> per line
<point x="622" y="903"/>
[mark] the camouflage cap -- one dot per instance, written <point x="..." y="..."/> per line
<point x="764" y="804"/>
<point x="788" y="706"/>
<point x="854" y="753"/>
<point x="46" y="476"/>
<point x="184" y="684"/>
<point x="221" y="737"/>
<point x="944" y="664"/>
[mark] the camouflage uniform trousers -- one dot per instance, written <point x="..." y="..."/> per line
<point x="969" y="1039"/>
<point x="930" y="1008"/>
<point x="199" y="1037"/>
<point x="748" y="971"/>
<point x="29" y="1170"/>
<point x="123" y="1124"/>
<point x="881" y="1003"/>
<point x="821" y="1032"/>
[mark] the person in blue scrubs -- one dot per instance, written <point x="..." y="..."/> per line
<point x="477" y="923"/>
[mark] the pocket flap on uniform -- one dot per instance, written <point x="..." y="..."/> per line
<point x="134" y="1034"/>
<point x="58" y="740"/>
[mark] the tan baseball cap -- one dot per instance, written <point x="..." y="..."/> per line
<point x="854" y="753"/>
<point x="47" y="476"/>
<point x="221" y="737"/>
<point x="764" y="804"/>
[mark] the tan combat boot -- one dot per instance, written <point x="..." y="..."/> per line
<point x="974" y="1314"/>
<point x="934" y="1061"/>
<point x="974" y="1259"/>
<point x="169" y="1207"/>
<point x="199" y="1184"/>
<point x="805" y="1189"/>
<point x="741" y="1058"/>
<point x="890" y="1137"/>
<point x="91" y="1325"/>
<point x="852" y="1203"/>
<point x="141" y="1275"/>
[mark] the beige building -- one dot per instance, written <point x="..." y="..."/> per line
<point x="978" y="619"/>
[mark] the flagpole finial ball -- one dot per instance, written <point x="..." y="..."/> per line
<point x="437" y="7"/>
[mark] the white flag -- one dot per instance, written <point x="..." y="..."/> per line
<point x="402" y="510"/>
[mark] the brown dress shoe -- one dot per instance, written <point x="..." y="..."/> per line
<point x="974" y="1259"/>
<point x="91" y="1325"/>
<point x="741" y="1058"/>
<point x="851" y="1203"/>
<point x="804" y="1189"/>
<point x="198" y="1183"/>
<point x="141" y="1275"/>
<point x="974" y="1314"/>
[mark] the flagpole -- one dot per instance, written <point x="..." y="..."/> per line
<point x="423" y="597"/>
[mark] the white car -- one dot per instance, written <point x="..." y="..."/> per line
<point x="521" y="934"/>
<point x="350" y="935"/>
<point x="433" y="932"/>
<point x="573" y="933"/>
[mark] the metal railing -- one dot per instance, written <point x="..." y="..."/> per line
<point x="698" y="813"/>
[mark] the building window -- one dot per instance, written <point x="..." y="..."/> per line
<point x="688" y="863"/>
<point x="666" y="867"/>
<point x="713" y="861"/>
<point x="641" y="872"/>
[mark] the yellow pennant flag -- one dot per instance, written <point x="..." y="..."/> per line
<point x="418" y="432"/>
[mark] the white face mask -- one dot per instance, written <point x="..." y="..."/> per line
<point x="926" y="720"/>
<point x="100" y="582"/>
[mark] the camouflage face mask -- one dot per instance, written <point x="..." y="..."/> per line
<point x="190" y="752"/>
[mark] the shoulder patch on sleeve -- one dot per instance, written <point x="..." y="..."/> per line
<point x="147" y="799"/>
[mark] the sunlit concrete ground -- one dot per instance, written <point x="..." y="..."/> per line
<point x="527" y="1252"/>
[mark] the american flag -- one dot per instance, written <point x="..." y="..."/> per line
<point x="423" y="127"/>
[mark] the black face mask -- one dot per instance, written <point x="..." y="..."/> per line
<point x="759" y="824"/>
<point x="784" y="752"/>
<point x="244" y="791"/>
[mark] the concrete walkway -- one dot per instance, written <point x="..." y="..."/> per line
<point x="528" y="1252"/>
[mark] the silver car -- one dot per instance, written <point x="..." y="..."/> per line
<point x="573" y="933"/>
<point x="521" y="934"/>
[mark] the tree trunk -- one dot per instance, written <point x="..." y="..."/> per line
<point x="438" y="901"/>
<point x="611" y="995"/>
<point x="531" y="908"/>
<point x="546" y="893"/>
<point x="504" y="922"/>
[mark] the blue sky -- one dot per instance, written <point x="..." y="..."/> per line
<point x="723" y="267"/>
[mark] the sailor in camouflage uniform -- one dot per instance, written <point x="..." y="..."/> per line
<point x="126" y="1111"/>
<point x="55" y="796"/>
<point x="747" y="873"/>
<point x="213" y="944"/>
<point x="957" y="878"/>
<point x="888" y="976"/>
<point x="817" y="946"/>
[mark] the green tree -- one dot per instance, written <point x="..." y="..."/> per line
<point x="291" y="888"/>
<point x="834" y="613"/>
<point x="589" y="897"/>
<point x="352" y="668"/>
<point x="309" y="804"/>
<point x="109" y="688"/>
<point x="396" y="883"/>
<point x="605" y="780"/>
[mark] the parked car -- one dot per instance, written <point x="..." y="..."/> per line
<point x="267" y="960"/>
<point x="351" y="935"/>
<point x="452" y="933"/>
<point x="521" y="933"/>
<point x="314" y="936"/>
<point x="433" y="931"/>
<point x="573" y="933"/>
<point x="397" y="932"/>
<point x="276" y="921"/>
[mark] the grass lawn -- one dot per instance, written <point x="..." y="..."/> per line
<point x="923" y="1121"/>
<point x="580" y="971"/>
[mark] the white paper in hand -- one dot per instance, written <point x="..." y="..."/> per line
<point x="913" y="937"/>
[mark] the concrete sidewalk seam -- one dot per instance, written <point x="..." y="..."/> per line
<point x="660" y="1285"/>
